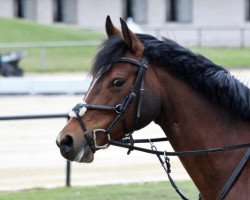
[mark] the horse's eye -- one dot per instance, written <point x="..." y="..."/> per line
<point x="118" y="82"/>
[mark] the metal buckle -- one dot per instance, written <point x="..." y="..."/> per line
<point x="105" y="146"/>
<point x="118" y="108"/>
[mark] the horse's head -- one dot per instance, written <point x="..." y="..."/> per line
<point x="115" y="104"/>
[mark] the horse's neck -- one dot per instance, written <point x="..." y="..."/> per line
<point x="188" y="115"/>
<point x="191" y="122"/>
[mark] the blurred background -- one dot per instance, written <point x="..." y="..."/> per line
<point x="46" y="51"/>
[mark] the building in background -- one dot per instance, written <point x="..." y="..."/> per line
<point x="191" y="22"/>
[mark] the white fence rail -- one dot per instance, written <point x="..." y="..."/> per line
<point x="204" y="36"/>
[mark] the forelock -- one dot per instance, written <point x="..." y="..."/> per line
<point x="111" y="49"/>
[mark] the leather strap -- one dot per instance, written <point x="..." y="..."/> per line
<point x="235" y="175"/>
<point x="86" y="134"/>
<point x="120" y="109"/>
<point x="143" y="63"/>
<point x="180" y="153"/>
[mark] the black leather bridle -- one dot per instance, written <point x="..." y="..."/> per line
<point x="120" y="109"/>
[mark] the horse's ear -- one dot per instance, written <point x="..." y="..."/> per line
<point x="130" y="38"/>
<point x="110" y="28"/>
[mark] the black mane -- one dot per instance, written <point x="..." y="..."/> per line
<point x="209" y="79"/>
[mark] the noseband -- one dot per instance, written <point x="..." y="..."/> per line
<point x="119" y="109"/>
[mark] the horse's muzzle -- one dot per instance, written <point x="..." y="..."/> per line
<point x="79" y="154"/>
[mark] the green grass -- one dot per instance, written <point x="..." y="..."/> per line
<point x="227" y="57"/>
<point x="57" y="59"/>
<point x="17" y="30"/>
<point x="145" y="191"/>
<point x="66" y="59"/>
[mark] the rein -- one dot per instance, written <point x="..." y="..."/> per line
<point x="128" y="142"/>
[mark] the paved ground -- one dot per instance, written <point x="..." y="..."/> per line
<point x="29" y="157"/>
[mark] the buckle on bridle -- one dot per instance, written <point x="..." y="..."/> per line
<point x="105" y="146"/>
<point x="118" y="108"/>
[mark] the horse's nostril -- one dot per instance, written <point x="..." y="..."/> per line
<point x="66" y="143"/>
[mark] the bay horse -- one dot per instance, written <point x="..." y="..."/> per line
<point x="138" y="79"/>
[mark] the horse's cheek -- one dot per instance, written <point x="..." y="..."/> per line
<point x="150" y="109"/>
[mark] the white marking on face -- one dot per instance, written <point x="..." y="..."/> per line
<point x="91" y="87"/>
<point x="82" y="111"/>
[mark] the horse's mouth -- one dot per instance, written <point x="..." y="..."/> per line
<point x="85" y="155"/>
